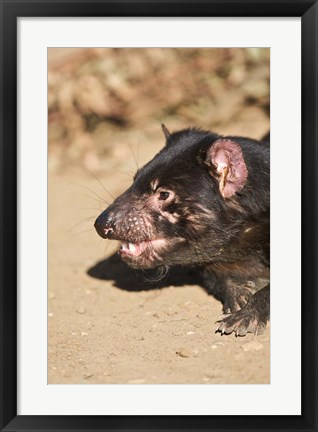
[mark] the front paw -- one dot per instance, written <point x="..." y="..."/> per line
<point x="237" y="297"/>
<point x="242" y="322"/>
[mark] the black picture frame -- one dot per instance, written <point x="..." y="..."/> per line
<point x="10" y="11"/>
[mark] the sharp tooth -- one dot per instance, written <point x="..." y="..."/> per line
<point x="132" y="247"/>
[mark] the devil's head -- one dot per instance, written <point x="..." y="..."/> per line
<point x="180" y="206"/>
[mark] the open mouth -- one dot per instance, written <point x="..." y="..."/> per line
<point x="137" y="249"/>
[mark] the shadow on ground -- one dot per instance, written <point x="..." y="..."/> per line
<point x="113" y="268"/>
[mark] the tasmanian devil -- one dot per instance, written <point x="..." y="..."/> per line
<point x="203" y="200"/>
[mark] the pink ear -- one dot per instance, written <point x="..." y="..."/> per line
<point x="227" y="158"/>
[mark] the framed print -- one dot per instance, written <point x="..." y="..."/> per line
<point x="93" y="91"/>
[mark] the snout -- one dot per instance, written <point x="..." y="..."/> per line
<point x="124" y="221"/>
<point x="104" y="224"/>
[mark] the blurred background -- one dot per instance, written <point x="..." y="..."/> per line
<point x="106" y="322"/>
<point x="99" y="98"/>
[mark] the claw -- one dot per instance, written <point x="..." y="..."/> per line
<point x="222" y="317"/>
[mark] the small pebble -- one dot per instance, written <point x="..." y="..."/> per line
<point x="190" y="333"/>
<point x="170" y="312"/>
<point x="84" y="334"/>
<point x="184" y="352"/>
<point x="195" y="353"/>
<point x="252" y="346"/>
<point x="50" y="314"/>
<point x="87" y="376"/>
<point x="81" y="310"/>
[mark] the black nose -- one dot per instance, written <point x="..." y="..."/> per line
<point x="103" y="225"/>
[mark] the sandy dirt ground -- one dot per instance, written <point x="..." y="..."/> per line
<point x="108" y="323"/>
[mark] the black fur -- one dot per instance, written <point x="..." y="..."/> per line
<point x="174" y="213"/>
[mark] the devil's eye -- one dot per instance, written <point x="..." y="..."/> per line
<point x="164" y="195"/>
